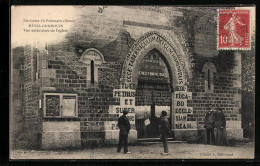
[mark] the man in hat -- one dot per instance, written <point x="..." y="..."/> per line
<point x="209" y="124"/>
<point x="124" y="126"/>
<point x="164" y="128"/>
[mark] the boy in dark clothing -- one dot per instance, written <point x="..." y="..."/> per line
<point x="124" y="126"/>
<point x="209" y="124"/>
<point x="164" y="128"/>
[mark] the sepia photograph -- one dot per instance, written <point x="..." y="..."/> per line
<point x="132" y="82"/>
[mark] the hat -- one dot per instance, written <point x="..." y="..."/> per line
<point x="125" y="112"/>
<point x="164" y="113"/>
<point x="219" y="108"/>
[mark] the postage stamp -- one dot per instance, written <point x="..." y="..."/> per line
<point x="233" y="30"/>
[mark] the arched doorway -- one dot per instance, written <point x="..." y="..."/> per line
<point x="153" y="94"/>
<point x="170" y="51"/>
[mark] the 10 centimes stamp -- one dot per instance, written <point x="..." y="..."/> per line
<point x="233" y="30"/>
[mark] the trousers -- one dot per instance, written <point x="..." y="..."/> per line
<point x="164" y="139"/>
<point x="122" y="142"/>
<point x="210" y="135"/>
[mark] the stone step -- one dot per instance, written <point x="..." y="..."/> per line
<point x="156" y="140"/>
<point x="161" y="142"/>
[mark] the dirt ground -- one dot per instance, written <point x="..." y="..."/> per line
<point x="145" y="151"/>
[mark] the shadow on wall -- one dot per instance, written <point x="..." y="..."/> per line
<point x="25" y="139"/>
<point x="248" y="113"/>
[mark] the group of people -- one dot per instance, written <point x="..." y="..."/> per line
<point x="124" y="126"/>
<point x="213" y="119"/>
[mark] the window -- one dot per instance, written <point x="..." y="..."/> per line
<point x="209" y="80"/>
<point x="21" y="87"/>
<point x="209" y="69"/>
<point x="92" y="72"/>
<point x="94" y="60"/>
<point x="60" y="105"/>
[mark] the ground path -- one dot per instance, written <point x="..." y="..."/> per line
<point x="151" y="151"/>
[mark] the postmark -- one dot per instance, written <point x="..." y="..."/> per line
<point x="233" y="30"/>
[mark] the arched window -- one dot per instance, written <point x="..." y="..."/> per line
<point x="209" y="80"/>
<point x="209" y="69"/>
<point x="93" y="60"/>
<point x="92" y="71"/>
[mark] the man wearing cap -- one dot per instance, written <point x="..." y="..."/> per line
<point x="209" y="124"/>
<point x="124" y="126"/>
<point x="164" y="128"/>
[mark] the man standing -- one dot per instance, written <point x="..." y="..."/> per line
<point x="209" y="125"/>
<point x="164" y="128"/>
<point x="124" y="126"/>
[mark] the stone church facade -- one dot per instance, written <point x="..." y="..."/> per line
<point x="72" y="93"/>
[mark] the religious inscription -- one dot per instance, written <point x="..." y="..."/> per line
<point x="126" y="95"/>
<point x="181" y="110"/>
<point x="183" y="95"/>
<point x="115" y="109"/>
<point x="149" y="38"/>
<point x="123" y="93"/>
<point x="153" y="68"/>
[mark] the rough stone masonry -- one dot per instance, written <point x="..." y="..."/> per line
<point x="73" y="92"/>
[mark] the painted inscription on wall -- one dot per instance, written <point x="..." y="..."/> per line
<point x="134" y="53"/>
<point x="153" y="67"/>
<point x="126" y="95"/>
<point x="181" y="110"/>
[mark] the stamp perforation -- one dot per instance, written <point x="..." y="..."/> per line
<point x="234" y="36"/>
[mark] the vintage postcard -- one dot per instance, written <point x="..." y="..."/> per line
<point x="132" y="82"/>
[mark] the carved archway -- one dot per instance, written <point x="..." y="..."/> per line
<point x="177" y="65"/>
<point x="155" y="40"/>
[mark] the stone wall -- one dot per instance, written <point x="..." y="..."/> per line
<point x="226" y="91"/>
<point x="31" y="96"/>
<point x="94" y="100"/>
<point x="59" y="76"/>
<point x="17" y="94"/>
<point x="61" y="134"/>
<point x="59" y="72"/>
<point x="56" y="69"/>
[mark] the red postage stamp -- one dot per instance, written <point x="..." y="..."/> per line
<point x="233" y="29"/>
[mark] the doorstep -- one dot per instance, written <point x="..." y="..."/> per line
<point x="157" y="140"/>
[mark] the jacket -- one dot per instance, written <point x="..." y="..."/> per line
<point x="164" y="126"/>
<point x="123" y="124"/>
<point x="220" y="120"/>
<point x="210" y="119"/>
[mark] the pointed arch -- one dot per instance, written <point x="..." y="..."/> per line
<point x="173" y="60"/>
